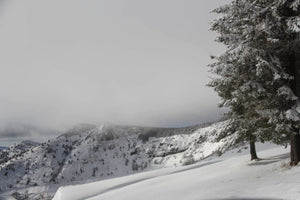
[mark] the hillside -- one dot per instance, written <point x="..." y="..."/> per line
<point x="231" y="177"/>
<point x="16" y="150"/>
<point x="90" y="153"/>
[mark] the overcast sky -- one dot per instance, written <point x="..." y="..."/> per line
<point x="139" y="62"/>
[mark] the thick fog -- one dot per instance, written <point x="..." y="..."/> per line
<point x="137" y="62"/>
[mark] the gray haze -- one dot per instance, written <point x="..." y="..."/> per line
<point x="139" y="62"/>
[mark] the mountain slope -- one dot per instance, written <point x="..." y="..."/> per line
<point x="89" y="153"/>
<point x="16" y="150"/>
<point x="220" y="178"/>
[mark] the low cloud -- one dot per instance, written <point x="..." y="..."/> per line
<point x="15" y="130"/>
<point x="125" y="62"/>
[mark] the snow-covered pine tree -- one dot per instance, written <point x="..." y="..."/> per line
<point x="258" y="74"/>
<point x="289" y="11"/>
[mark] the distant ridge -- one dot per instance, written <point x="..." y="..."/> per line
<point x="87" y="153"/>
<point x="2" y="148"/>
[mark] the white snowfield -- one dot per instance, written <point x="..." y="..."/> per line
<point x="228" y="177"/>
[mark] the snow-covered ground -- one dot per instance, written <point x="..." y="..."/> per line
<point x="169" y="174"/>
<point x="230" y="177"/>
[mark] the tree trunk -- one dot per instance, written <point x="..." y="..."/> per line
<point x="295" y="138"/>
<point x="253" y="151"/>
<point x="295" y="149"/>
<point x="252" y="147"/>
<point x="291" y="62"/>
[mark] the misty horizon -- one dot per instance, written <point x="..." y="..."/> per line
<point x="140" y="63"/>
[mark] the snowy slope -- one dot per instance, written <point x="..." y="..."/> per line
<point x="233" y="177"/>
<point x="16" y="150"/>
<point x="90" y="153"/>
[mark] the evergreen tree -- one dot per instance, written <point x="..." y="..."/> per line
<point x="258" y="74"/>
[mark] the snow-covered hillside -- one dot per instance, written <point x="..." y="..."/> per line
<point x="16" y="150"/>
<point x="233" y="177"/>
<point x="91" y="153"/>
